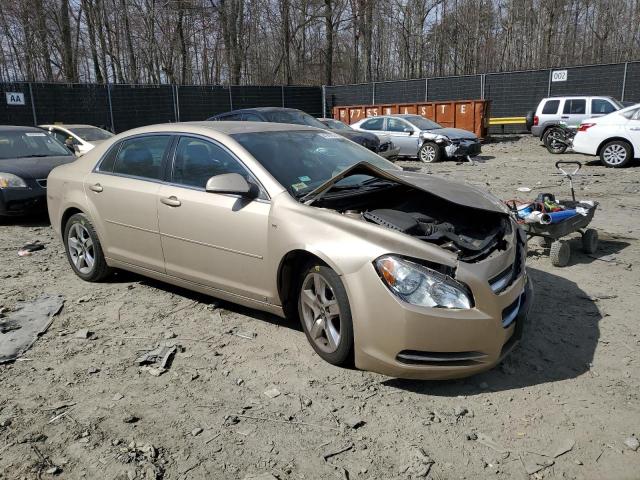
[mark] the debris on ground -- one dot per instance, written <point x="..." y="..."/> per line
<point x="84" y="334"/>
<point x="159" y="357"/>
<point x="28" y="320"/>
<point x="328" y="455"/>
<point x="632" y="443"/>
<point x="272" y="392"/>
<point x="419" y="464"/>
<point x="249" y="335"/>
<point x="534" y="463"/>
<point x="354" y="422"/>
<point x="489" y="442"/>
<point x="28" y="249"/>
<point x="563" y="447"/>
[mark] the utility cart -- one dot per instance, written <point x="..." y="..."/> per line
<point x="552" y="235"/>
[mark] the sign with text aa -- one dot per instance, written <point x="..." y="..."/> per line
<point x="559" y="76"/>
<point x="15" y="98"/>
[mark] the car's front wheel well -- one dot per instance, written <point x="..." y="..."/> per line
<point x="68" y="213"/>
<point x="614" y="139"/>
<point x="289" y="272"/>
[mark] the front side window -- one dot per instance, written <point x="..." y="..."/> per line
<point x="373" y="124"/>
<point x="601" y="107"/>
<point x="575" y="106"/>
<point x="91" y="134"/>
<point x="550" y="107"/>
<point x="196" y="161"/>
<point x="23" y="144"/>
<point x="396" y="125"/>
<point x="142" y="156"/>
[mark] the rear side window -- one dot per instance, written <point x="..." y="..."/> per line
<point x="373" y="124"/>
<point x="142" y="156"/>
<point x="599" y="106"/>
<point x="550" y="107"/>
<point x="106" y="165"/>
<point x="575" y="106"/>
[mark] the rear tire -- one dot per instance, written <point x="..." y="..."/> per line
<point x="590" y="241"/>
<point x="560" y="253"/>
<point x="616" y="154"/>
<point x="548" y="140"/>
<point x="325" y="314"/>
<point x="429" y="152"/>
<point x="84" y="250"/>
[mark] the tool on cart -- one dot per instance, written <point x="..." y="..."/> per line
<point x="551" y="220"/>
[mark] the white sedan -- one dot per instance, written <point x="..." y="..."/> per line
<point x="80" y="138"/>
<point x="614" y="137"/>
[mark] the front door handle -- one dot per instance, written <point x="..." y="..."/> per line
<point x="635" y="128"/>
<point x="96" y="188"/>
<point x="171" y="201"/>
<point x="565" y="116"/>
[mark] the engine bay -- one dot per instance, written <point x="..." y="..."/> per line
<point x="473" y="234"/>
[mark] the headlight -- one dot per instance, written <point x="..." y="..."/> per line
<point x="421" y="286"/>
<point x="9" y="180"/>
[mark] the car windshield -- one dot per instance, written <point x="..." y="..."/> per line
<point x="21" y="144"/>
<point x="337" y="125"/>
<point x="91" y="134"/>
<point x="422" y="123"/>
<point x="303" y="160"/>
<point x="291" y="116"/>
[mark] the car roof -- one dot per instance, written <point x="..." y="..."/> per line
<point x="227" y="128"/>
<point x="263" y="109"/>
<point x="68" y="125"/>
<point x="16" y="128"/>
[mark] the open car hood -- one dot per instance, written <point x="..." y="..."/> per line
<point x="455" y="192"/>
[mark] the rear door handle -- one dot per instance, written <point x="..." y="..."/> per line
<point x="171" y="201"/>
<point x="634" y="128"/>
<point x="565" y="116"/>
<point x="96" y="188"/>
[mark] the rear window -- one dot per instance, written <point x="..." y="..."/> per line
<point x="575" y="106"/>
<point x="551" y="107"/>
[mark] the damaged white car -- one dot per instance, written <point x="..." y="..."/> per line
<point x="420" y="137"/>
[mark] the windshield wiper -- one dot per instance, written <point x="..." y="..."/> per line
<point x="37" y="155"/>
<point x="372" y="182"/>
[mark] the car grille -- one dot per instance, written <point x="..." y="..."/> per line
<point x="441" y="359"/>
<point x="505" y="279"/>
<point x="42" y="182"/>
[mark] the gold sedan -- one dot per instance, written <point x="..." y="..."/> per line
<point x="401" y="273"/>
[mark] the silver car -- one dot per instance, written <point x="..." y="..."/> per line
<point x="420" y="137"/>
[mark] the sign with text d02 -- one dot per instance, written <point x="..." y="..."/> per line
<point x="15" y="98"/>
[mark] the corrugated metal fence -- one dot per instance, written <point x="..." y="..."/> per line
<point x="121" y="107"/>
<point x="512" y="94"/>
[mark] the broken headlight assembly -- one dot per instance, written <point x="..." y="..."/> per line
<point x="421" y="286"/>
<point x="9" y="180"/>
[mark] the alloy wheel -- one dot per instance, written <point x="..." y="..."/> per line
<point x="320" y="312"/>
<point x="614" y="154"/>
<point x="428" y="154"/>
<point x="81" y="248"/>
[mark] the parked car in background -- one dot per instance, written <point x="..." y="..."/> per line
<point x="382" y="144"/>
<point x="614" y="137"/>
<point x="568" y="110"/>
<point x="27" y="155"/>
<point x="80" y="138"/>
<point x="419" y="137"/>
<point x="298" y="117"/>
<point x="406" y="274"/>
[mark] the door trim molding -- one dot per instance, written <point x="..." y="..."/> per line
<point x="217" y="247"/>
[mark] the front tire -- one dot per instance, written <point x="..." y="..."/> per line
<point x="84" y="250"/>
<point x="429" y="153"/>
<point x="616" y="154"/>
<point x="325" y="314"/>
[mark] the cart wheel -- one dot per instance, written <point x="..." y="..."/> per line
<point x="560" y="253"/>
<point x="590" y="240"/>
<point x="544" y="242"/>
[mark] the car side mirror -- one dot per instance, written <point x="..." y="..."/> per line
<point x="408" y="130"/>
<point x="232" y="183"/>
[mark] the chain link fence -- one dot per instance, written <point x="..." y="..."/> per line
<point x="512" y="94"/>
<point x="122" y="107"/>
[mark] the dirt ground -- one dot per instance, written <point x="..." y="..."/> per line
<point x="82" y="408"/>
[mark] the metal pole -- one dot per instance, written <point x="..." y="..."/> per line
<point x="373" y="93"/>
<point x="624" y="81"/>
<point x="482" y="82"/>
<point x="230" y="99"/>
<point x="282" y="94"/>
<point x="324" y="102"/>
<point x="177" y="104"/>
<point x="113" y="126"/>
<point x="33" y="106"/>
<point x="549" y="85"/>
<point x="426" y="89"/>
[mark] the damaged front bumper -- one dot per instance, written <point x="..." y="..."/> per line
<point x="462" y="148"/>
<point x="401" y="340"/>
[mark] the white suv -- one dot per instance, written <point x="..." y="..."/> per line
<point x="570" y="110"/>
